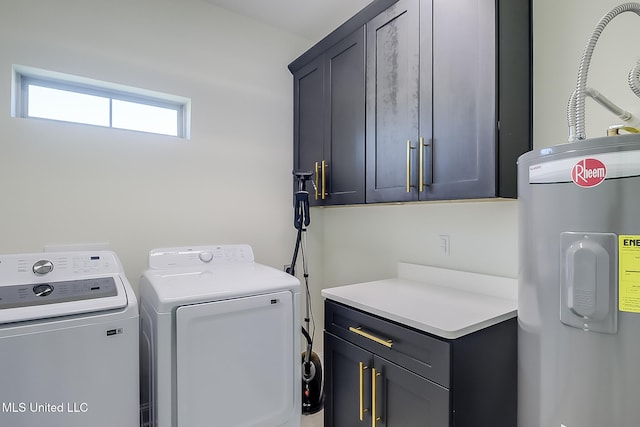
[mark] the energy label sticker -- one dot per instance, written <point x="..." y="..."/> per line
<point x="629" y="273"/>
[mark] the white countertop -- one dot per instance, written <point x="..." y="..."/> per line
<point x="446" y="303"/>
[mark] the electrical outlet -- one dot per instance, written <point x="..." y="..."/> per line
<point x="445" y="244"/>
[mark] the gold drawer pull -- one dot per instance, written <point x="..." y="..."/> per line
<point x="359" y="331"/>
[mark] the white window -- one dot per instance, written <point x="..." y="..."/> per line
<point x="54" y="96"/>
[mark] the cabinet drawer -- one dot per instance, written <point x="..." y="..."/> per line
<point x="420" y="353"/>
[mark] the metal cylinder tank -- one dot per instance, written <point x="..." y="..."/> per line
<point x="579" y="284"/>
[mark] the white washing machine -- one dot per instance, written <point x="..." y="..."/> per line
<point x="220" y="340"/>
<point x="68" y="341"/>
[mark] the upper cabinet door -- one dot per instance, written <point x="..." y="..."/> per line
<point x="461" y="158"/>
<point x="308" y="133"/>
<point x="344" y="127"/>
<point x="515" y="91"/>
<point x="329" y="119"/>
<point x="393" y="101"/>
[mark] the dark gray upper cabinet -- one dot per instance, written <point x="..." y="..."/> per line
<point x="309" y="118"/>
<point x="433" y="99"/>
<point x="394" y="100"/>
<point x="344" y="142"/>
<point x="515" y="83"/>
<point x="447" y="101"/>
<point x="462" y="162"/>
<point x="329" y="122"/>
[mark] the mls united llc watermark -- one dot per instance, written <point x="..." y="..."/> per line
<point x="44" y="408"/>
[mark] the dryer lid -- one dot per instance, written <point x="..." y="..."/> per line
<point x="168" y="289"/>
<point x="199" y="256"/>
<point x="188" y="275"/>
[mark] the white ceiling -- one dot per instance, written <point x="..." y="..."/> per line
<point x="309" y="19"/>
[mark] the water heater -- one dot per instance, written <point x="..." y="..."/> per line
<point x="579" y="284"/>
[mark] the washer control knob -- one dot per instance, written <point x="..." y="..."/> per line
<point x="205" y="256"/>
<point x="42" y="290"/>
<point x="42" y="267"/>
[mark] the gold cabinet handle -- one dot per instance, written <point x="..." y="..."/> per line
<point x="428" y="181"/>
<point x="316" y="181"/>
<point x="324" y="175"/>
<point x="362" y="408"/>
<point x="359" y="331"/>
<point x="409" y="148"/>
<point x="422" y="145"/>
<point x="374" y="413"/>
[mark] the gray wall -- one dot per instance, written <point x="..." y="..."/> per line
<point x="73" y="184"/>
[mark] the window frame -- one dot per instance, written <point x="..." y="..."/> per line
<point x="24" y="77"/>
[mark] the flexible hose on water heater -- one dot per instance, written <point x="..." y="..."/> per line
<point x="634" y="79"/>
<point x="622" y="114"/>
<point x="583" y="71"/>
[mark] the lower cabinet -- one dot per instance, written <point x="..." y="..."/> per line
<point x="381" y="373"/>
<point x="364" y="386"/>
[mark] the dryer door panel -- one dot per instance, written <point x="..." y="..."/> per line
<point x="235" y="361"/>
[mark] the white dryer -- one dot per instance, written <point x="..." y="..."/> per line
<point x="68" y="341"/>
<point x="220" y="340"/>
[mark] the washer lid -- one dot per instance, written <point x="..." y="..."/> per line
<point x="52" y="284"/>
<point x="32" y="301"/>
